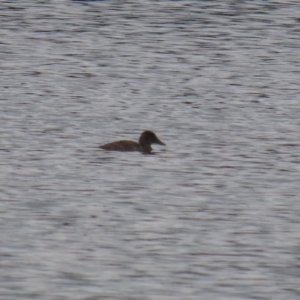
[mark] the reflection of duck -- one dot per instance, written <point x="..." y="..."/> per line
<point x="144" y="145"/>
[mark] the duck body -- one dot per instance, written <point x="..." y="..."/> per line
<point x="123" y="145"/>
<point x="147" y="138"/>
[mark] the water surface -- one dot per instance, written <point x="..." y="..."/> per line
<point x="214" y="214"/>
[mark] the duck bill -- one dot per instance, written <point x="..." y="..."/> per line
<point x="159" y="142"/>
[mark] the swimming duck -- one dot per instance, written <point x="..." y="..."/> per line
<point x="146" y="139"/>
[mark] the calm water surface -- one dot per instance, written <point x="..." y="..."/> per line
<point x="213" y="215"/>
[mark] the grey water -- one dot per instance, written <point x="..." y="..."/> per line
<point x="213" y="215"/>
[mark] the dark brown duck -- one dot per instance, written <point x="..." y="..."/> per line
<point x="147" y="138"/>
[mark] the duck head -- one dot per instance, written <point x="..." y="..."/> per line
<point x="148" y="137"/>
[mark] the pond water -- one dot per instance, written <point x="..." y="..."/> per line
<point x="213" y="215"/>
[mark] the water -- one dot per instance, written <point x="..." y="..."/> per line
<point x="214" y="214"/>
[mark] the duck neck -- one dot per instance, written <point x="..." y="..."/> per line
<point x="145" y="145"/>
<point x="147" y="149"/>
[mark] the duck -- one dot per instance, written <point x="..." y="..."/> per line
<point x="146" y="139"/>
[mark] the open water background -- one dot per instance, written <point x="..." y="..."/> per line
<point x="213" y="215"/>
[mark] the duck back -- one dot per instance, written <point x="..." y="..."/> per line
<point x="123" y="145"/>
